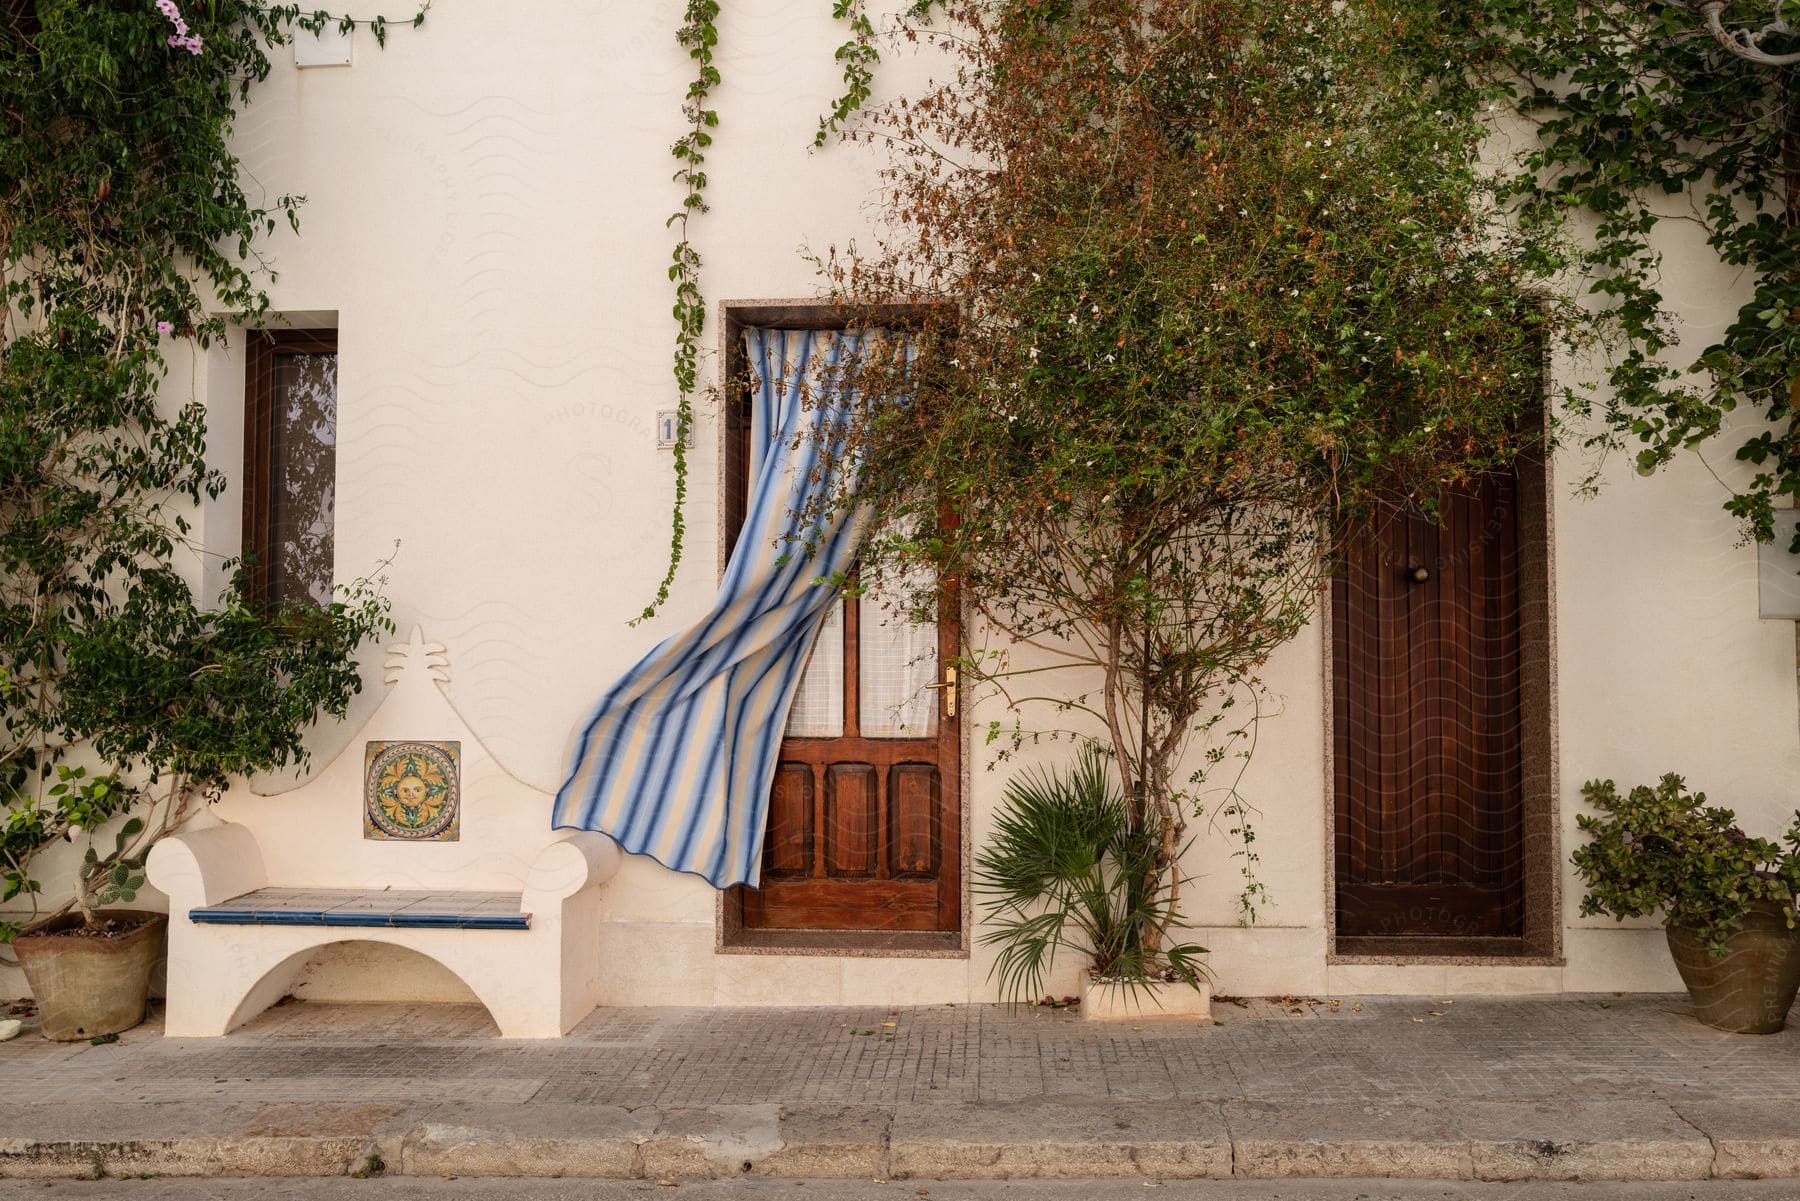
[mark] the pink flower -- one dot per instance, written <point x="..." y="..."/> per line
<point x="181" y="37"/>
<point x="164" y="327"/>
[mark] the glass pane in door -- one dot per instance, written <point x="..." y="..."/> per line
<point x="897" y="664"/>
<point x="818" y="710"/>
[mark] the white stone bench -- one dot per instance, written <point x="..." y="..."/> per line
<point x="236" y="945"/>
<point x="511" y="907"/>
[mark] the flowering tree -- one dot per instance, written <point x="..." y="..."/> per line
<point x="1202" y="282"/>
<point x="121" y="224"/>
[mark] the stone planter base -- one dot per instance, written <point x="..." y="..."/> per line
<point x="1106" y="1001"/>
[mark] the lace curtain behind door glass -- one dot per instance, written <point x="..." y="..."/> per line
<point x="303" y="483"/>
<point x="818" y="710"/>
<point x="899" y="661"/>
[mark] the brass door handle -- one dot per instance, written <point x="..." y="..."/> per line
<point x="949" y="688"/>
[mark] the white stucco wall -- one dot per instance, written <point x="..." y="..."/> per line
<point x="485" y="225"/>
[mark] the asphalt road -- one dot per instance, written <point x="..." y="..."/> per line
<point x="417" y="1189"/>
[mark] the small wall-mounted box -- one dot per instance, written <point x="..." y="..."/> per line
<point x="330" y="47"/>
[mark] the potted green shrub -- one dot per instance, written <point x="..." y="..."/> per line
<point x="126" y="700"/>
<point x="89" y="969"/>
<point x="180" y="701"/>
<point x="1728" y="900"/>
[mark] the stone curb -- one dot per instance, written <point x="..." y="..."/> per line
<point x="1596" y="1139"/>
<point x="64" y="1141"/>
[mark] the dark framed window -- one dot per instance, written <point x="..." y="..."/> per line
<point x="290" y="464"/>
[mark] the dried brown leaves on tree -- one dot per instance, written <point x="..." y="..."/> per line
<point x="1191" y="285"/>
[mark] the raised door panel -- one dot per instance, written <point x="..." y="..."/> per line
<point x="788" y="845"/>
<point x="852" y="820"/>
<point x="915" y="827"/>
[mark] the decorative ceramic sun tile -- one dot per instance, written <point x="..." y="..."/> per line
<point x="412" y="791"/>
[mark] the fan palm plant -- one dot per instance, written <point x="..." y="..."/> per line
<point x="1069" y="867"/>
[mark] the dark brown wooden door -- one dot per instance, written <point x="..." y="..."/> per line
<point x="865" y="817"/>
<point x="1427" y="722"/>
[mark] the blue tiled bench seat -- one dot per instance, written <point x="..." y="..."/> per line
<point x="420" y="908"/>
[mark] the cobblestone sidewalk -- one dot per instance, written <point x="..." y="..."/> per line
<point x="1313" y="1086"/>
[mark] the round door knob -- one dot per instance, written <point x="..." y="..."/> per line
<point x="1419" y="574"/>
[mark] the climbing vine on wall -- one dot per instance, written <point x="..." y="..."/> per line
<point x="699" y="36"/>
<point x="1644" y="123"/>
<point x="316" y="20"/>
<point x="858" y="57"/>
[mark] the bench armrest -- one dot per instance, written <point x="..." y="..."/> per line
<point x="205" y="867"/>
<point x="582" y="859"/>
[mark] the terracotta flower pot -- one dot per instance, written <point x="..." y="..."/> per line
<point x="86" y="987"/>
<point x="1750" y="989"/>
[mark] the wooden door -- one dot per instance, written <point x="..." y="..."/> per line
<point x="865" y="816"/>
<point x="1427" y="721"/>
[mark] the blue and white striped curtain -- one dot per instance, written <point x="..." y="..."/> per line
<point x="675" y="761"/>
